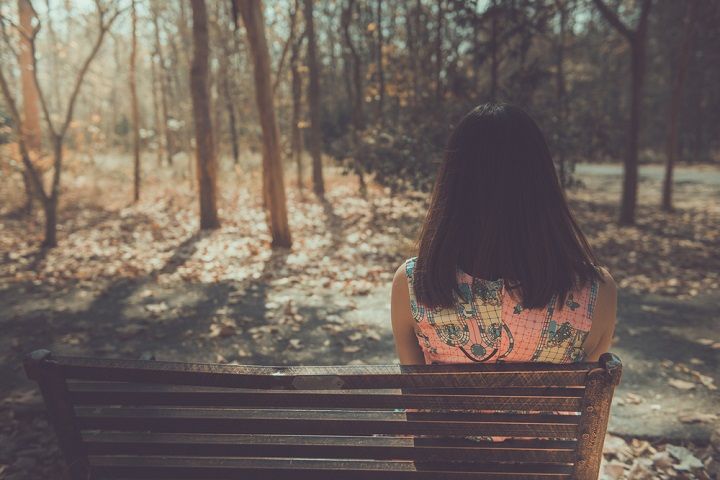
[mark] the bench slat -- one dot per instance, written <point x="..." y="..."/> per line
<point x="216" y="468"/>
<point x="93" y="393"/>
<point x="323" y="378"/>
<point x="399" y="448"/>
<point x="319" y="422"/>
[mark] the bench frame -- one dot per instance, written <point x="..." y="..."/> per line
<point x="51" y="374"/>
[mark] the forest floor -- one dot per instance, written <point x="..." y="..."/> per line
<point x="133" y="278"/>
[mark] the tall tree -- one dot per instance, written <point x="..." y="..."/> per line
<point x="206" y="161"/>
<point x="296" y="139"/>
<point x="637" y="39"/>
<point x="439" y="51"/>
<point x="30" y="110"/>
<point x="380" y="69"/>
<point x="358" y="100"/>
<point x="675" y="103"/>
<point x="134" y="103"/>
<point x="273" y="184"/>
<point x="57" y="132"/>
<point x="314" y="102"/>
<point x="163" y="83"/>
<point x="560" y="91"/>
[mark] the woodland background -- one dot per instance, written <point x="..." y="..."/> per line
<point x="227" y="181"/>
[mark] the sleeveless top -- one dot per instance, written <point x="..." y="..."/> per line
<point x="486" y="324"/>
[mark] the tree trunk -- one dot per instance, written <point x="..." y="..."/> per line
<point x="494" y="51"/>
<point x="439" y="53"/>
<point x="50" y="202"/>
<point x="358" y="89"/>
<point x="314" y="102"/>
<point x="134" y="105"/>
<point x="380" y="69"/>
<point x="164" y="77"/>
<point x="296" y="139"/>
<point x="156" y="109"/>
<point x="31" y="110"/>
<point x="675" y="104"/>
<point x="638" y="40"/>
<point x="231" y="119"/>
<point x="273" y="184"/>
<point x="204" y="144"/>
<point x="560" y="91"/>
<point x="355" y="91"/>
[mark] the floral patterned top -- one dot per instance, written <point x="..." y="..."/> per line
<point x="488" y="325"/>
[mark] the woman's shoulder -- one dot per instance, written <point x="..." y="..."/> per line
<point x="606" y="290"/>
<point x="406" y="269"/>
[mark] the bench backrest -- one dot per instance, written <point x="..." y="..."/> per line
<point x="149" y="419"/>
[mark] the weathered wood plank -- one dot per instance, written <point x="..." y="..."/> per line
<point x="324" y="377"/>
<point x="312" y="422"/>
<point x="94" y="393"/>
<point x="398" y="448"/>
<point x="202" y="467"/>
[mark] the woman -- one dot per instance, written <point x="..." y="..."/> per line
<point x="503" y="272"/>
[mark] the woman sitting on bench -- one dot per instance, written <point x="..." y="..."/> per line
<point x="503" y="272"/>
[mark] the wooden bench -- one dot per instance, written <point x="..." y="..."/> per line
<point x="148" y="419"/>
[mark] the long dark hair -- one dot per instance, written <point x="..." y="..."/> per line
<point x="497" y="211"/>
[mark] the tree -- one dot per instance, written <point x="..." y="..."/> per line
<point x="379" y="58"/>
<point x="31" y="111"/>
<point x="163" y="83"/>
<point x="57" y="132"/>
<point x="205" y="159"/>
<point x="314" y="102"/>
<point x="273" y="184"/>
<point x="637" y="39"/>
<point x="675" y="104"/>
<point x="134" y="104"/>
<point x="296" y="139"/>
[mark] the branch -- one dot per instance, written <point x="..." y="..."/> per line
<point x="8" y="40"/>
<point x="614" y="20"/>
<point x="281" y="63"/>
<point x="104" y="27"/>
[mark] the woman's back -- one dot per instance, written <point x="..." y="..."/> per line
<point x="487" y="324"/>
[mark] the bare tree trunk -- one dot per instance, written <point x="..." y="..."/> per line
<point x="134" y="105"/>
<point x="156" y="110"/>
<point x="355" y="92"/>
<point x="296" y="139"/>
<point x="163" y="87"/>
<point x="358" y="90"/>
<point x="231" y="119"/>
<point x="562" y="6"/>
<point x="273" y="184"/>
<point x="314" y="102"/>
<point x="494" y="51"/>
<point x="380" y="69"/>
<point x="31" y="110"/>
<point x="638" y="40"/>
<point x="675" y="104"/>
<point x="204" y="144"/>
<point x="439" y="53"/>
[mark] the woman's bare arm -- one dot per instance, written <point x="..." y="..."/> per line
<point x="406" y="344"/>
<point x="602" y="330"/>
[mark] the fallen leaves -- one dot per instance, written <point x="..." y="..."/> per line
<point x="641" y="460"/>
<point x="681" y="384"/>
<point x="697" y="417"/>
